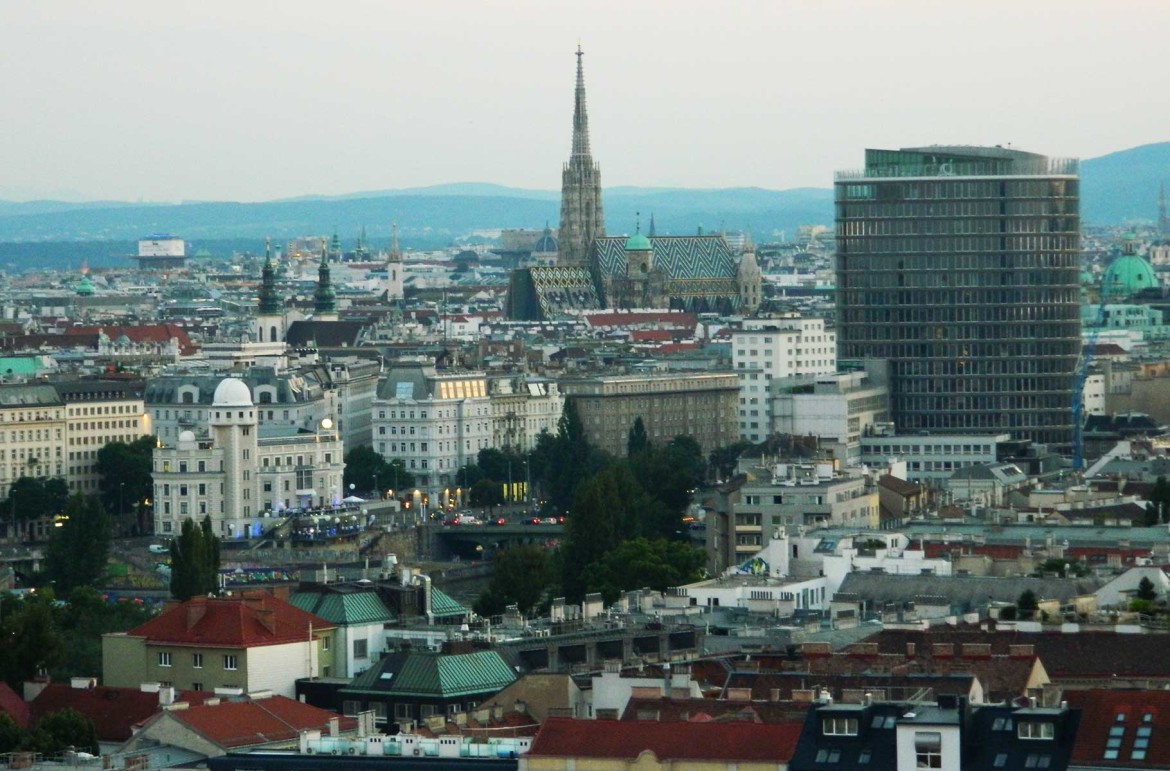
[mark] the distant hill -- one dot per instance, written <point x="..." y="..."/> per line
<point x="1115" y="188"/>
<point x="1123" y="186"/>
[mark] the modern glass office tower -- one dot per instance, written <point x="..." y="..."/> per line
<point x="959" y="265"/>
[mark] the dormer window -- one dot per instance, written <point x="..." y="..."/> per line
<point x="1036" y="730"/>
<point x="839" y="726"/>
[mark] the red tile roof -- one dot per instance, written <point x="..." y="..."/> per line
<point x="12" y="705"/>
<point x="569" y="738"/>
<point x="1100" y="710"/>
<point x="146" y="333"/>
<point x="113" y="711"/>
<point x="245" y="621"/>
<point x="257" y="721"/>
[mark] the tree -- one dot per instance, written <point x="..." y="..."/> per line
<point x="658" y="564"/>
<point x="521" y="575"/>
<point x="486" y="492"/>
<point x="366" y="470"/>
<point x="723" y="460"/>
<point x="11" y="734"/>
<point x="194" y="561"/>
<point x="1160" y="501"/>
<point x="1146" y="590"/>
<point x="30" y="498"/>
<point x="80" y="547"/>
<point x="62" y="730"/>
<point x="637" y="441"/>
<point x="126" y="480"/>
<point x="81" y="622"/>
<point x="1027" y="605"/>
<point x="31" y="642"/>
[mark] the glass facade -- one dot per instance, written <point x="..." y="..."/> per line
<point x="960" y="267"/>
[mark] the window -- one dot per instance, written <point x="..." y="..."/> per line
<point x="1000" y="760"/>
<point x="828" y="756"/>
<point x="197" y="661"/>
<point x="324" y="643"/>
<point x="360" y="648"/>
<point x="351" y="707"/>
<point x="164" y="659"/>
<point x="839" y="726"/>
<point x="196" y="686"/>
<point x="402" y="711"/>
<point x="1036" y="730"/>
<point x="928" y="749"/>
<point x="230" y="662"/>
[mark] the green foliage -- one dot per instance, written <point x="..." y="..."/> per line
<point x="366" y="470"/>
<point x="194" y="561"/>
<point x="1146" y="590"/>
<point x="126" y="480"/>
<point x="560" y="463"/>
<point x="638" y="442"/>
<point x="11" y="734"/>
<point x="79" y="549"/>
<point x="1027" y="604"/>
<point x="486" y="492"/>
<point x="29" y="640"/>
<point x="521" y="576"/>
<point x="1062" y="568"/>
<point x="501" y="465"/>
<point x="59" y="731"/>
<point x="81" y="622"/>
<point x="1008" y="613"/>
<point x="723" y="459"/>
<point x="1159" y="509"/>
<point x="1145" y="607"/>
<point x="32" y="498"/>
<point x="658" y="564"/>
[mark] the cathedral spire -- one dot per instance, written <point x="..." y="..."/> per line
<point x="580" y="115"/>
<point x="395" y="251"/>
<point x="582" y="221"/>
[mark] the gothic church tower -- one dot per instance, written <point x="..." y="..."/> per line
<point x="581" y="215"/>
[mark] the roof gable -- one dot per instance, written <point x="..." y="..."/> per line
<point x="256" y="721"/>
<point x="253" y="619"/>
<point x="569" y="738"/>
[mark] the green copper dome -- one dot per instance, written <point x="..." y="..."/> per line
<point x="85" y="287"/>
<point x="1128" y="275"/>
<point x="637" y="243"/>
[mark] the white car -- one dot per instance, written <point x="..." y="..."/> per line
<point x="158" y="548"/>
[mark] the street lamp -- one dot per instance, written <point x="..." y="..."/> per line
<point x="376" y="488"/>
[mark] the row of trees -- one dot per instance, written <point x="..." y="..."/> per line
<point x="625" y="525"/>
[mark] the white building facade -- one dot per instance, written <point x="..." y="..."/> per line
<point x="239" y="479"/>
<point x="773" y="348"/>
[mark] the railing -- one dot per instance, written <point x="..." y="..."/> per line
<point x="988" y="168"/>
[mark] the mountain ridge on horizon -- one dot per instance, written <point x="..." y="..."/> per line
<point x="1115" y="188"/>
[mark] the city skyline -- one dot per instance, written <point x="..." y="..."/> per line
<point x="225" y="102"/>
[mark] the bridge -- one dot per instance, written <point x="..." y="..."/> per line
<point x="471" y="541"/>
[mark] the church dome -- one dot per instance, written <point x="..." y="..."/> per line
<point x="232" y="393"/>
<point x="85" y="287"/>
<point x="637" y="243"/>
<point x="1128" y="275"/>
<point x="545" y="244"/>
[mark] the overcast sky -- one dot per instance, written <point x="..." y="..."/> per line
<point x="248" y="100"/>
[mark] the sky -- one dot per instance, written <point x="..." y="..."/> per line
<point x="250" y="100"/>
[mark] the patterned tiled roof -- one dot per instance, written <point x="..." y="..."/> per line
<point x="759" y="742"/>
<point x="682" y="257"/>
<point x="443" y="675"/>
<point x="344" y="608"/>
<point x="245" y="621"/>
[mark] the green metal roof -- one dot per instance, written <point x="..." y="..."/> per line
<point x="637" y="243"/>
<point x="345" y="608"/>
<point x="442" y="604"/>
<point x="418" y="673"/>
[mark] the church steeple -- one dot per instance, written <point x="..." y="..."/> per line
<point x="269" y="301"/>
<point x="580" y="114"/>
<point x="581" y="215"/>
<point x="324" y="299"/>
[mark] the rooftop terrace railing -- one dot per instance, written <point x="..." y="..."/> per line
<point x="982" y="168"/>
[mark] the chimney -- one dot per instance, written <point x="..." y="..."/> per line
<point x="334" y="726"/>
<point x="166" y="695"/>
<point x="911" y="650"/>
<point x="83" y="683"/>
<point x="196" y="609"/>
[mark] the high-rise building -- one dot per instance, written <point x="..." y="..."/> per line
<point x="959" y="265"/>
<point x="581" y="216"/>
